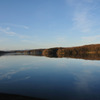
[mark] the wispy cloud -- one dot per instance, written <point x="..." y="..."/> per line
<point x="9" y="74"/>
<point x="82" y="15"/>
<point x="82" y="22"/>
<point x="15" y="25"/>
<point x="7" y="31"/>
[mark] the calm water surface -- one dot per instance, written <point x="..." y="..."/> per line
<point x="50" y="78"/>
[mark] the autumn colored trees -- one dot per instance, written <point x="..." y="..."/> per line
<point x="81" y="50"/>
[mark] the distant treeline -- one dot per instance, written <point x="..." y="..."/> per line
<point x="85" y="52"/>
<point x="73" y="51"/>
<point x="2" y="51"/>
<point x="52" y="52"/>
<point x="60" y="51"/>
<point x="30" y="52"/>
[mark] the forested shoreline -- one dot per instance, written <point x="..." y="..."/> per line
<point x="86" y="52"/>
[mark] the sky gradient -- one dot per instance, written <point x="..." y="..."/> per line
<point x="32" y="24"/>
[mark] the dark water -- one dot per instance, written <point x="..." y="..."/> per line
<point x="50" y="78"/>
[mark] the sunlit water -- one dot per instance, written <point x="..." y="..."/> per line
<point x="50" y="78"/>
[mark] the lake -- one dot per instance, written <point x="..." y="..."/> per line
<point x="50" y="78"/>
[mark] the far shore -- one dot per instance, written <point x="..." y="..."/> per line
<point x="91" y="52"/>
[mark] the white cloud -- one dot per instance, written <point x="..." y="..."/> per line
<point x="15" y="25"/>
<point x="83" y="19"/>
<point x="82" y="22"/>
<point x="7" y="31"/>
<point x="9" y="74"/>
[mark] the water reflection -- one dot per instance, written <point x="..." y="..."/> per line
<point x="1" y="54"/>
<point x="77" y="56"/>
<point x="52" y="79"/>
<point x="8" y="75"/>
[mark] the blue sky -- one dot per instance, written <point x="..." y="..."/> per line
<point x="32" y="24"/>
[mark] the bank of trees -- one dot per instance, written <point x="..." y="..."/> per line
<point x="81" y="50"/>
<point x="2" y="52"/>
